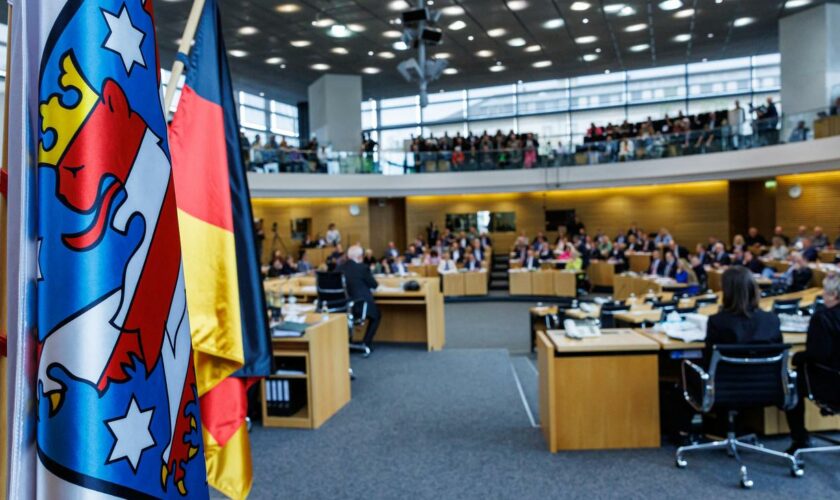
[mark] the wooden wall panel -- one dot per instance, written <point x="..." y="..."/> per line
<point x="321" y="211"/>
<point x="818" y="205"/>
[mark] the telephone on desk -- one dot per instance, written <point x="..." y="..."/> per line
<point x="581" y="329"/>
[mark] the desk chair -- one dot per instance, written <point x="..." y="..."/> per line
<point x="608" y="311"/>
<point x="554" y="321"/>
<point x="333" y="297"/>
<point x="787" y="306"/>
<point x="817" y="306"/>
<point x="823" y="384"/>
<point x="740" y="377"/>
<point x="705" y="301"/>
<point x="666" y="306"/>
<point x="682" y="311"/>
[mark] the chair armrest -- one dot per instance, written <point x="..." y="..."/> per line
<point x="698" y="388"/>
<point x="791" y="393"/>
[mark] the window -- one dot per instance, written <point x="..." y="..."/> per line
<point x="369" y="115"/>
<point x="491" y="101"/>
<point x="398" y="116"/>
<point x="657" y="84"/>
<point x="598" y="91"/>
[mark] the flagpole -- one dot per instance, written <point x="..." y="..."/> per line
<point x="183" y="51"/>
<point x="4" y="379"/>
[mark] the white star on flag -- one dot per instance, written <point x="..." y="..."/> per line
<point x="131" y="434"/>
<point x="124" y="39"/>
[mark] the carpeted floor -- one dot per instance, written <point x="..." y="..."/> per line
<point x="463" y="423"/>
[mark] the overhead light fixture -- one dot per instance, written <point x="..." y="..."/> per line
<point x="586" y="39"/>
<point x="443" y="55"/>
<point x="300" y="43"/>
<point x="517" y="42"/>
<point x="743" y="21"/>
<point x="392" y="34"/>
<point x="287" y="8"/>
<point x="496" y="32"/>
<point x="370" y="70"/>
<point x="370" y="52"/>
<point x="533" y="48"/>
<point x="585" y="20"/>
<point x="497" y="68"/>
<point x="639" y="48"/>
<point x="792" y="4"/>
<point x="339" y="31"/>
<point x="452" y="10"/>
<point x="684" y="13"/>
<point x="324" y="22"/>
<point x="484" y="53"/>
<point x="247" y="31"/>
<point x="580" y="6"/>
<point x="614" y="8"/>
<point x="450" y="71"/>
<point x="274" y="60"/>
<point x="553" y="24"/>
<point x="626" y="11"/>
<point x="282" y="66"/>
<point x="710" y="35"/>
<point x="386" y="55"/>
<point x="670" y="4"/>
<point x="237" y="53"/>
<point x="320" y="67"/>
<point x="458" y="25"/>
<point x="541" y="64"/>
<point x="470" y="38"/>
<point x="340" y="51"/>
<point x="682" y="38"/>
<point x="590" y="57"/>
<point x="517" y="4"/>
<point x="400" y="45"/>
<point x="398" y="5"/>
<point x="598" y="50"/>
<point x="356" y="28"/>
<point x="635" y="27"/>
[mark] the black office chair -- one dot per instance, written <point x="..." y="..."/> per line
<point x="705" y="301"/>
<point x="823" y="385"/>
<point x="817" y="306"/>
<point x="333" y="297"/>
<point x="740" y="377"/>
<point x="554" y="321"/>
<point x="608" y="311"/>
<point x="683" y="311"/>
<point x="787" y="306"/>
<point x="666" y="306"/>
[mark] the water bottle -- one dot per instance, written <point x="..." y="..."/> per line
<point x="325" y="312"/>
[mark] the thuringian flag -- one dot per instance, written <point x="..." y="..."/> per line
<point x="103" y="398"/>
<point x="224" y="290"/>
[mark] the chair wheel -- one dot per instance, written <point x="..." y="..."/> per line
<point x="797" y="471"/>
<point x="746" y="482"/>
<point x="681" y="463"/>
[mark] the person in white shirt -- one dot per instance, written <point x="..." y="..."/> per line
<point x="446" y="264"/>
<point x="736" y="118"/>
<point x="778" y="251"/>
<point x="399" y="267"/>
<point x="333" y="237"/>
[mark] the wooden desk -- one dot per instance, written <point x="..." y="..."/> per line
<point x="829" y="256"/>
<point x="322" y="353"/>
<point x="544" y="282"/>
<point x="415" y="317"/>
<point x="627" y="284"/>
<point x="453" y="284"/>
<point x="565" y="283"/>
<point x="519" y="282"/>
<point x="636" y="318"/>
<point x="475" y="283"/>
<point x="639" y="262"/>
<point x="601" y="273"/>
<point x="598" y="393"/>
<point x="806" y="297"/>
<point x="424" y="270"/>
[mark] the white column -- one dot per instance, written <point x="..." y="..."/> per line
<point x="335" y="111"/>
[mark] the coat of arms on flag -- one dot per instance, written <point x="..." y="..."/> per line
<point x="117" y="403"/>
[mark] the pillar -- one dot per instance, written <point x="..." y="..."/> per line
<point x="335" y="116"/>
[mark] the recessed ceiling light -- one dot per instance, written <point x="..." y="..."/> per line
<point x="497" y="68"/>
<point x="392" y="34"/>
<point x="590" y="57"/>
<point x="626" y="11"/>
<point x="398" y="5"/>
<point x="710" y="35"/>
<point x="324" y="22"/>
<point x="496" y="32"/>
<point x="553" y="24"/>
<point x="287" y="8"/>
<point x="340" y="51"/>
<point x="443" y="55"/>
<point x="400" y="45"/>
<point x="580" y="6"/>
<point x="792" y="4"/>
<point x="452" y="10"/>
<point x="484" y="53"/>
<point x="585" y="20"/>
<point x="247" y="30"/>
<point x="640" y="47"/>
<point x="598" y="50"/>
<point x="300" y="43"/>
<point x="458" y="25"/>
<point x="517" y="4"/>
<point x="743" y="21"/>
<point x="586" y="39"/>
<point x="282" y="66"/>
<point x="541" y="64"/>
<point x="370" y="70"/>
<point x="450" y="71"/>
<point x="370" y="52"/>
<point x="274" y="60"/>
<point x="339" y="31"/>
<point x="705" y="59"/>
<point x="680" y="14"/>
<point x="614" y="8"/>
<point x="635" y="27"/>
<point x="470" y="38"/>
<point x="386" y="55"/>
<point x="670" y="4"/>
<point x="237" y="53"/>
<point x="682" y="38"/>
<point x="517" y="42"/>
<point x="320" y="67"/>
<point x="606" y="72"/>
<point x="356" y="28"/>
<point x="532" y="48"/>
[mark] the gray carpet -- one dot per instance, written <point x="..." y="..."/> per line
<point x="499" y="325"/>
<point x="452" y="424"/>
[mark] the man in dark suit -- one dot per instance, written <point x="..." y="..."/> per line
<point x="360" y="286"/>
<point x="657" y="265"/>
<point x="719" y="256"/>
<point x="531" y="262"/>
<point x="823" y="347"/>
<point x="669" y="270"/>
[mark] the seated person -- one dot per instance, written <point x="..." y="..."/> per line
<point x="336" y="257"/>
<point x="531" y="261"/>
<point x="411" y="253"/>
<point x="278" y="267"/>
<point x="753" y="264"/>
<point x="700" y="272"/>
<point x="360" y="286"/>
<point x="778" y="250"/>
<point x="576" y="262"/>
<point x="657" y="265"/>
<point x="703" y="255"/>
<point x="685" y="274"/>
<point x="740" y="320"/>
<point x="446" y="264"/>
<point x="618" y="258"/>
<point x="303" y="265"/>
<point x="431" y="258"/>
<point x="823" y="347"/>
<point x="381" y="267"/>
<point x="471" y="264"/>
<point x="670" y="268"/>
<point x="477" y="250"/>
<point x="796" y="278"/>
<point x="810" y="251"/>
<point x="391" y="252"/>
<point x="399" y="267"/>
<point x="755" y="238"/>
<point x="719" y="256"/>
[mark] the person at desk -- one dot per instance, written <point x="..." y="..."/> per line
<point x="669" y="270"/>
<point x="810" y="252"/>
<point x="470" y="264"/>
<point x="823" y="347"/>
<point x="719" y="256"/>
<point x="778" y="250"/>
<point x="657" y="265"/>
<point x="703" y="255"/>
<point x="360" y="286"/>
<point x="700" y="272"/>
<point x="476" y="250"/>
<point x="531" y="262"/>
<point x="399" y="266"/>
<point x="796" y="278"/>
<point x="740" y="320"/>
<point x="391" y="252"/>
<point x="303" y="265"/>
<point x="754" y="238"/>
<point x="446" y="264"/>
<point x="333" y="237"/>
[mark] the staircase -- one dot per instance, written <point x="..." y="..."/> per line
<point x="499" y="272"/>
